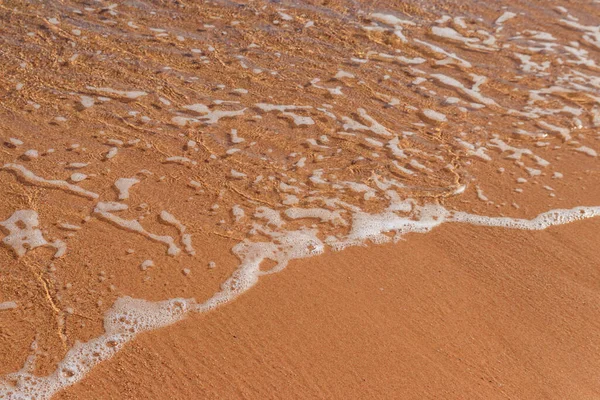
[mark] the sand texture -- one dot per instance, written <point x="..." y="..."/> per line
<point x="299" y="199"/>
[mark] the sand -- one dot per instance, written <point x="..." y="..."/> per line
<point x="299" y="199"/>
<point x="460" y="312"/>
<point x="422" y="319"/>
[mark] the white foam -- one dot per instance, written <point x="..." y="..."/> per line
<point x="238" y="213"/>
<point x="31" y="178"/>
<point x="290" y="245"/>
<point x="417" y="165"/>
<point x="530" y="66"/>
<point x="303" y="185"/>
<point x="452" y="35"/>
<point x="235" y="139"/>
<point x="505" y="17"/>
<point x="31" y="154"/>
<point x="179" y="160"/>
<point x="337" y="91"/>
<point x="470" y="93"/>
<point x="134" y="94"/>
<point x="451" y="57"/>
<point x="186" y="241"/>
<point x="237" y="174"/>
<point x="104" y="210"/>
<point x="471" y="150"/>
<point x="343" y="74"/>
<point x="517" y="153"/>
<point x="289" y="188"/>
<point x="8" y="305"/>
<point x="433" y="115"/>
<point x="533" y="171"/>
<point x="396" y="150"/>
<point x="390" y="19"/>
<point x="290" y="199"/>
<point x="369" y="192"/>
<point x="542" y="221"/>
<point x="69" y="227"/>
<point x="285" y="110"/>
<point x="124" y="321"/>
<point x="111" y="153"/>
<point x="186" y="238"/>
<point x="87" y="101"/>
<point x="480" y="195"/>
<point x="146" y="264"/>
<point x="321" y="214"/>
<point x="123" y="185"/>
<point x="285" y="17"/>
<point x="374" y="226"/>
<point x="301" y="162"/>
<point x="14" y="142"/>
<point x="209" y="117"/>
<point x="587" y="150"/>
<point x="24" y="234"/>
<point x="375" y="126"/>
<point x="271" y="216"/>
<point x="402" y="168"/>
<point x="77" y="165"/>
<point x="410" y="61"/>
<point x="424" y="218"/>
<point x="78" y="177"/>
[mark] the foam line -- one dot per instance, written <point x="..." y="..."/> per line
<point x="31" y="178"/>
<point x="129" y="317"/>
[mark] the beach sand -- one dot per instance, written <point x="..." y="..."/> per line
<point x="299" y="200"/>
<point x="443" y="315"/>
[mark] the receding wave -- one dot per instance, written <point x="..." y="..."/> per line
<point x="143" y="141"/>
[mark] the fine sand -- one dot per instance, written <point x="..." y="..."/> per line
<point x="443" y="315"/>
<point x="175" y="177"/>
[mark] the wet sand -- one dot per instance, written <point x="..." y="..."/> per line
<point x="175" y="178"/>
<point x="425" y="318"/>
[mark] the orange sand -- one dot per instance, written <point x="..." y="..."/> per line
<point x="462" y="312"/>
<point x="425" y="318"/>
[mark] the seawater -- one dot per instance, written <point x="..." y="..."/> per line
<point x="290" y="128"/>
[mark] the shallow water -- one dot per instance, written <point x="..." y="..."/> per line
<point x="143" y="141"/>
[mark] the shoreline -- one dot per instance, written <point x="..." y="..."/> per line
<point x="160" y="159"/>
<point x="505" y="320"/>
